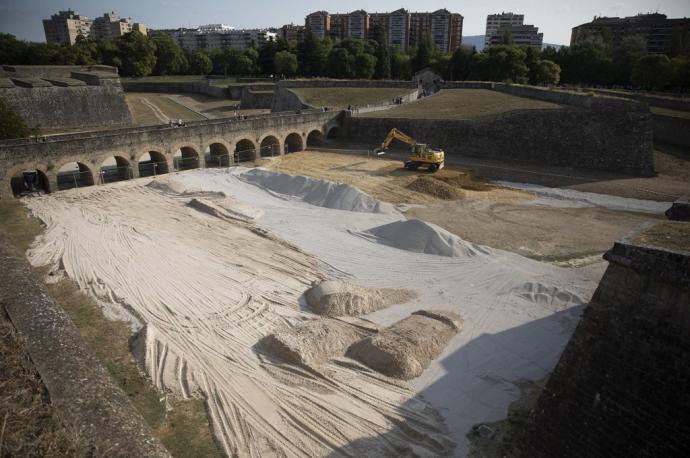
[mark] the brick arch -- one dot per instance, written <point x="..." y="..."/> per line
<point x="122" y="171"/>
<point x="85" y="178"/>
<point x="27" y="166"/>
<point x="315" y="137"/>
<point x="293" y="142"/>
<point x="218" y="156"/>
<point x="245" y="149"/>
<point x="270" y="145"/>
<point x="188" y="161"/>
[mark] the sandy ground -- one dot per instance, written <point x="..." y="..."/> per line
<point x="212" y="107"/>
<point x="557" y="228"/>
<point x="208" y="287"/>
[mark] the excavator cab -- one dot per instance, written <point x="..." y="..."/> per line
<point x="421" y="155"/>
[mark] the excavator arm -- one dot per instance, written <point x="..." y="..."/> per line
<point x="395" y="134"/>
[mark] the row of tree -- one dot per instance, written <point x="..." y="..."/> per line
<point x="594" y="62"/>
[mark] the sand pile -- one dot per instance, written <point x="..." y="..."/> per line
<point x="422" y="237"/>
<point x="549" y="297"/>
<point x="316" y="192"/>
<point x="225" y="208"/>
<point x="406" y="348"/>
<point x="465" y="180"/>
<point x="313" y="342"/>
<point x="436" y="188"/>
<point x="338" y="298"/>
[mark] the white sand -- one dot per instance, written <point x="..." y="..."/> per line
<point x="209" y="288"/>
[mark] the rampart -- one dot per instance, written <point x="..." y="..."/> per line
<point x="194" y="87"/>
<point x="614" y="136"/>
<point x="65" y="96"/>
<point x="620" y="388"/>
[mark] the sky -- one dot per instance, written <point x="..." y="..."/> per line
<point x="555" y="19"/>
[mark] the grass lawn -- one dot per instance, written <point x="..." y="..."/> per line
<point x="462" y="104"/>
<point x="184" y="430"/>
<point x="341" y="97"/>
<point x="151" y="108"/>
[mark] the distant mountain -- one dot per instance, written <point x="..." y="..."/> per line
<point x="474" y="40"/>
<point x="478" y="42"/>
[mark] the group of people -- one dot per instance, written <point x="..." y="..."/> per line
<point x="398" y="100"/>
<point x="178" y="123"/>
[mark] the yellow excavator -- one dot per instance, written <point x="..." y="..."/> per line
<point x="421" y="155"/>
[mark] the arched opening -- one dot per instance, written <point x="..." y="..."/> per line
<point x="293" y="143"/>
<point x="74" y="175"/>
<point x="333" y="133"/>
<point x="217" y="155"/>
<point x="315" y="138"/>
<point x="152" y="163"/>
<point x="115" y="168"/>
<point x="186" y="158"/>
<point x="29" y="182"/>
<point x="245" y="151"/>
<point x="270" y="146"/>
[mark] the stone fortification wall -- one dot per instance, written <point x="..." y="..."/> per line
<point x="81" y="106"/>
<point x="671" y="129"/>
<point x="53" y="71"/>
<point x="674" y="103"/>
<point x="286" y="100"/>
<point x="195" y="87"/>
<point x="347" y="83"/>
<point x="574" y="99"/>
<point x="620" y="388"/>
<point x="605" y="138"/>
<point x="252" y="99"/>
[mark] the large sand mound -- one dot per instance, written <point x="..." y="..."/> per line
<point x="314" y="341"/>
<point x="225" y="208"/>
<point x="422" y="237"/>
<point x="316" y="192"/>
<point x="338" y="298"/>
<point x="406" y="348"/>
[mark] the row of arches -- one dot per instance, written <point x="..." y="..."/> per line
<point x="152" y="163"/>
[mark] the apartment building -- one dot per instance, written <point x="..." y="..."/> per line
<point x="403" y="29"/>
<point x="291" y="32"/>
<point x="218" y="36"/>
<point x="522" y="35"/>
<point x="494" y="22"/>
<point x="318" y="23"/>
<point x="65" y="26"/>
<point x="655" y="29"/>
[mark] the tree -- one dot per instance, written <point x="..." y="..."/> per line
<point x="170" y="59"/>
<point x="681" y="73"/>
<point x="548" y="73"/>
<point x="340" y="63"/>
<point x="461" y="63"/>
<point x="12" y="51"/>
<point x="532" y="61"/>
<point x="11" y="124"/>
<point x="312" y="54"/>
<point x="383" y="56"/>
<point x="200" y="63"/>
<point x="136" y="54"/>
<point x="425" y="52"/>
<point x="401" y="65"/>
<point x="507" y="38"/>
<point x="500" y="63"/>
<point x="365" y="65"/>
<point x="653" y="71"/>
<point x="285" y="63"/>
<point x="623" y="58"/>
<point x="267" y="55"/>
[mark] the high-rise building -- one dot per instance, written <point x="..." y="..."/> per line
<point x="498" y="25"/>
<point x="65" y="26"/>
<point x="291" y="32"/>
<point x="110" y="25"/>
<point x="319" y="23"/>
<point x="218" y="36"/>
<point x="403" y="29"/>
<point x="497" y="21"/>
<point x="656" y="30"/>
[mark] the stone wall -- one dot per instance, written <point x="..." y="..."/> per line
<point x="286" y="100"/>
<point x="52" y="71"/>
<point x="347" y="83"/>
<point x="194" y="87"/>
<point x="671" y="129"/>
<point x="674" y="103"/>
<point x="57" y="107"/>
<point x="621" y="387"/>
<point x="604" y="138"/>
<point x="252" y="99"/>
